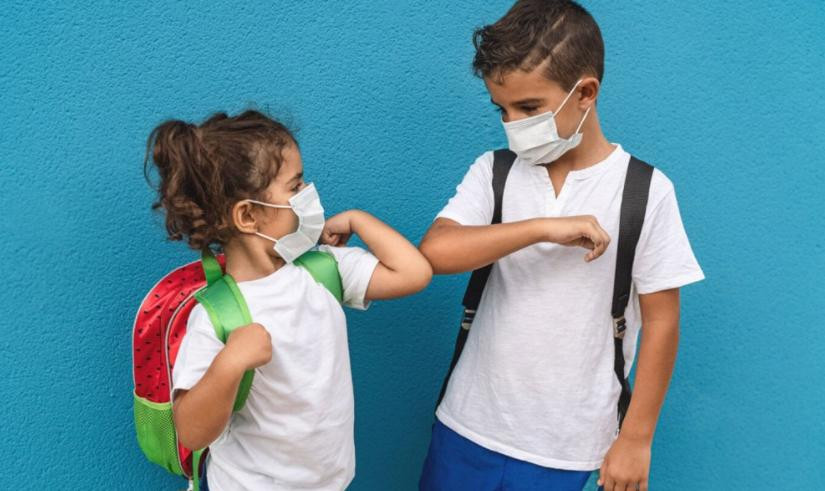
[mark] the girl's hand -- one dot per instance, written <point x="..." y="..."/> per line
<point x="249" y="347"/>
<point x="338" y="229"/>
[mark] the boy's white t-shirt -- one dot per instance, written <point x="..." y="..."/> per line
<point x="296" y="429"/>
<point x="535" y="380"/>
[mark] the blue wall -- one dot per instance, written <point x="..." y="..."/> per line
<point x="726" y="98"/>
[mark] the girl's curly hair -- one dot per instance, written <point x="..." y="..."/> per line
<point x="204" y="170"/>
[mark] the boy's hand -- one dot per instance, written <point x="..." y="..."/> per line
<point x="249" y="347"/>
<point x="626" y="465"/>
<point x="582" y="231"/>
<point x="338" y="229"/>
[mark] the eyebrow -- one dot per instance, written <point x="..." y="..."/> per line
<point x="531" y="101"/>
<point x="296" y="176"/>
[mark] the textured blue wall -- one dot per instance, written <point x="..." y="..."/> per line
<point x="725" y="97"/>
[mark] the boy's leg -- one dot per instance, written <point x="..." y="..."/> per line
<point x="455" y="463"/>
<point x="524" y="476"/>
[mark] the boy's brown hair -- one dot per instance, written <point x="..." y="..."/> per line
<point x="205" y="169"/>
<point x="560" y="32"/>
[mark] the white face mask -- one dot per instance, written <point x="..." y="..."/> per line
<point x="536" y="139"/>
<point x="307" y="206"/>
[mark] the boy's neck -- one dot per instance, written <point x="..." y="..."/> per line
<point x="593" y="148"/>
<point x="247" y="261"/>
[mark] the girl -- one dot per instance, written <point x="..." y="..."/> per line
<point x="237" y="182"/>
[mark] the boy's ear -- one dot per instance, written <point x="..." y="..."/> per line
<point x="588" y="92"/>
<point x="243" y="217"/>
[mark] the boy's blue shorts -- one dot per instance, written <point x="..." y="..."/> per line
<point x="454" y="463"/>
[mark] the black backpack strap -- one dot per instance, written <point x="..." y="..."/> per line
<point x="631" y="219"/>
<point x="502" y="162"/>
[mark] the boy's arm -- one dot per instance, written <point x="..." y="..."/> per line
<point x="401" y="270"/>
<point x="201" y="413"/>
<point x="628" y="461"/>
<point x="454" y="248"/>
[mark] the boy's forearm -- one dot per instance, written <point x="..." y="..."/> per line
<point x="657" y="356"/>
<point x="453" y="248"/>
<point x="202" y="413"/>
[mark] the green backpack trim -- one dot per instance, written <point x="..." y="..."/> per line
<point x="227" y="308"/>
<point x="324" y="269"/>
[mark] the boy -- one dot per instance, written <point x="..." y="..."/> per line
<point x="532" y="402"/>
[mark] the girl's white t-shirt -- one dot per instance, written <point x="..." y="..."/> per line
<point x="535" y="380"/>
<point x="296" y="429"/>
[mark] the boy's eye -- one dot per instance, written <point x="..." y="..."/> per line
<point x="528" y="109"/>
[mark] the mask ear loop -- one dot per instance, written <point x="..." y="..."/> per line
<point x="267" y="204"/>
<point x="271" y="206"/>
<point x="581" y="123"/>
<point x="266" y="237"/>
<point x="567" y="97"/>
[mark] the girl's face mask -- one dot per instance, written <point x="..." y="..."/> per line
<point x="536" y="139"/>
<point x="307" y="206"/>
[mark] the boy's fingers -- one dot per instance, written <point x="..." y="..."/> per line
<point x="609" y="485"/>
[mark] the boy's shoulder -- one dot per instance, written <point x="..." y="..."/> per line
<point x="660" y="188"/>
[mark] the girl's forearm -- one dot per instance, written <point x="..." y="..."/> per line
<point x="402" y="269"/>
<point x="201" y="414"/>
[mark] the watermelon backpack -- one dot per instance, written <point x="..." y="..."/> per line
<point x="160" y="325"/>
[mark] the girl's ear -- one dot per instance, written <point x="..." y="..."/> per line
<point x="588" y="92"/>
<point x="243" y="217"/>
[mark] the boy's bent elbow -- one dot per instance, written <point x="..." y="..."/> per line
<point x="436" y="250"/>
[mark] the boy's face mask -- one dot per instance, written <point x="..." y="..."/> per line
<point x="307" y="206"/>
<point x="536" y="139"/>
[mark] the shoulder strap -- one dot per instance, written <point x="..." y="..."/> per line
<point x="324" y="268"/>
<point x="227" y="310"/>
<point x="631" y="219"/>
<point x="502" y="162"/>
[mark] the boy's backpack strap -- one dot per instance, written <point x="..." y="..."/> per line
<point x="324" y="268"/>
<point x="631" y="219"/>
<point x="502" y="162"/>
<point x="228" y="311"/>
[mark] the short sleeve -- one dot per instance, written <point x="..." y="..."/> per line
<point x="198" y="349"/>
<point x="664" y="258"/>
<point x="473" y="201"/>
<point x="356" y="266"/>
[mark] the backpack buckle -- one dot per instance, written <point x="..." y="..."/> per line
<point x="619" y="327"/>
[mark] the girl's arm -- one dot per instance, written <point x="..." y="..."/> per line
<point x="401" y="270"/>
<point x="201" y="413"/>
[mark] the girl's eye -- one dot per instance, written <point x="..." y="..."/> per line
<point x="528" y="109"/>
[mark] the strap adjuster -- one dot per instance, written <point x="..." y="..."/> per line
<point x="467" y="319"/>
<point x="619" y="327"/>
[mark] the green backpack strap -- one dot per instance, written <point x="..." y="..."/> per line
<point x="227" y="310"/>
<point x="324" y="269"/>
